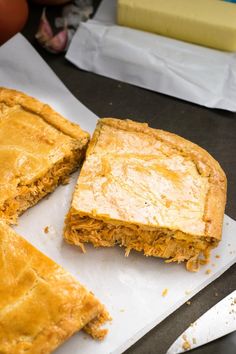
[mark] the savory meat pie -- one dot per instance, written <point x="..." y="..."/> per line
<point x="38" y="150"/>
<point x="148" y="190"/>
<point x="41" y="304"/>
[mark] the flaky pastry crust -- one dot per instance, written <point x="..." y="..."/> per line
<point x="13" y="98"/>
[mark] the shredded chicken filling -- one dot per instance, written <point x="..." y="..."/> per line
<point x="175" y="246"/>
<point x="94" y="327"/>
<point x="29" y="195"/>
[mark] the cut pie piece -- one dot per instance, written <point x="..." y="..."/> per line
<point x="41" y="304"/>
<point x="148" y="190"/>
<point x="38" y="150"/>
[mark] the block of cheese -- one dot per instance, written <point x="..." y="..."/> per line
<point x="210" y="23"/>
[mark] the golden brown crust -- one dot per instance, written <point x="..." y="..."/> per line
<point x="205" y="163"/>
<point x="13" y="97"/>
<point x="41" y="304"/>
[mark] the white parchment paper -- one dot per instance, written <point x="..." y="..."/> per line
<point x="190" y="72"/>
<point x="130" y="287"/>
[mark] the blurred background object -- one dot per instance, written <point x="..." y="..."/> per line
<point x="71" y="16"/>
<point x="13" y="16"/>
<point x="51" y="2"/>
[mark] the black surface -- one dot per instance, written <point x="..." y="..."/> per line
<point x="214" y="130"/>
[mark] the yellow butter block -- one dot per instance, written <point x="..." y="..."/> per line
<point x="211" y="23"/>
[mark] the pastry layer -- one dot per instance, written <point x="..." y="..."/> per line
<point x="41" y="304"/>
<point x="164" y="194"/>
<point x="38" y="150"/>
<point x="207" y="22"/>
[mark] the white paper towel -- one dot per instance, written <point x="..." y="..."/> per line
<point x="130" y="287"/>
<point x="190" y="72"/>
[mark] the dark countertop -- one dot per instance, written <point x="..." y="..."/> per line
<point x="214" y="130"/>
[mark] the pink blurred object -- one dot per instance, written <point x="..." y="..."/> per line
<point x="72" y="15"/>
<point x="53" y="43"/>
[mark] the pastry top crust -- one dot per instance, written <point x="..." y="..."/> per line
<point x="13" y="98"/>
<point x="33" y="137"/>
<point x="134" y="174"/>
<point x="41" y="304"/>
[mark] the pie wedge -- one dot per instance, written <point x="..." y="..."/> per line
<point x="148" y="190"/>
<point x="38" y="150"/>
<point x="41" y="304"/>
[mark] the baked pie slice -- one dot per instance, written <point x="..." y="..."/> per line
<point x="38" y="150"/>
<point x="41" y="304"/>
<point x="148" y="190"/>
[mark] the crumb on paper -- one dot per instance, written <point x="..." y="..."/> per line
<point x="208" y="271"/>
<point x="187" y="292"/>
<point x="194" y="341"/>
<point x="216" y="293"/>
<point x="164" y="292"/>
<point x="213" y="264"/>
<point x="51" y="232"/>
<point x="217" y="256"/>
<point x="186" y="345"/>
<point x="235" y="300"/>
<point x="122" y="310"/>
<point x="46" y="229"/>
<point x="188" y="302"/>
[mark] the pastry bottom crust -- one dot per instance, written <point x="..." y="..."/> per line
<point x="174" y="246"/>
<point x="29" y="194"/>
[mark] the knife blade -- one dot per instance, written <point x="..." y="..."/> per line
<point x="215" y="323"/>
